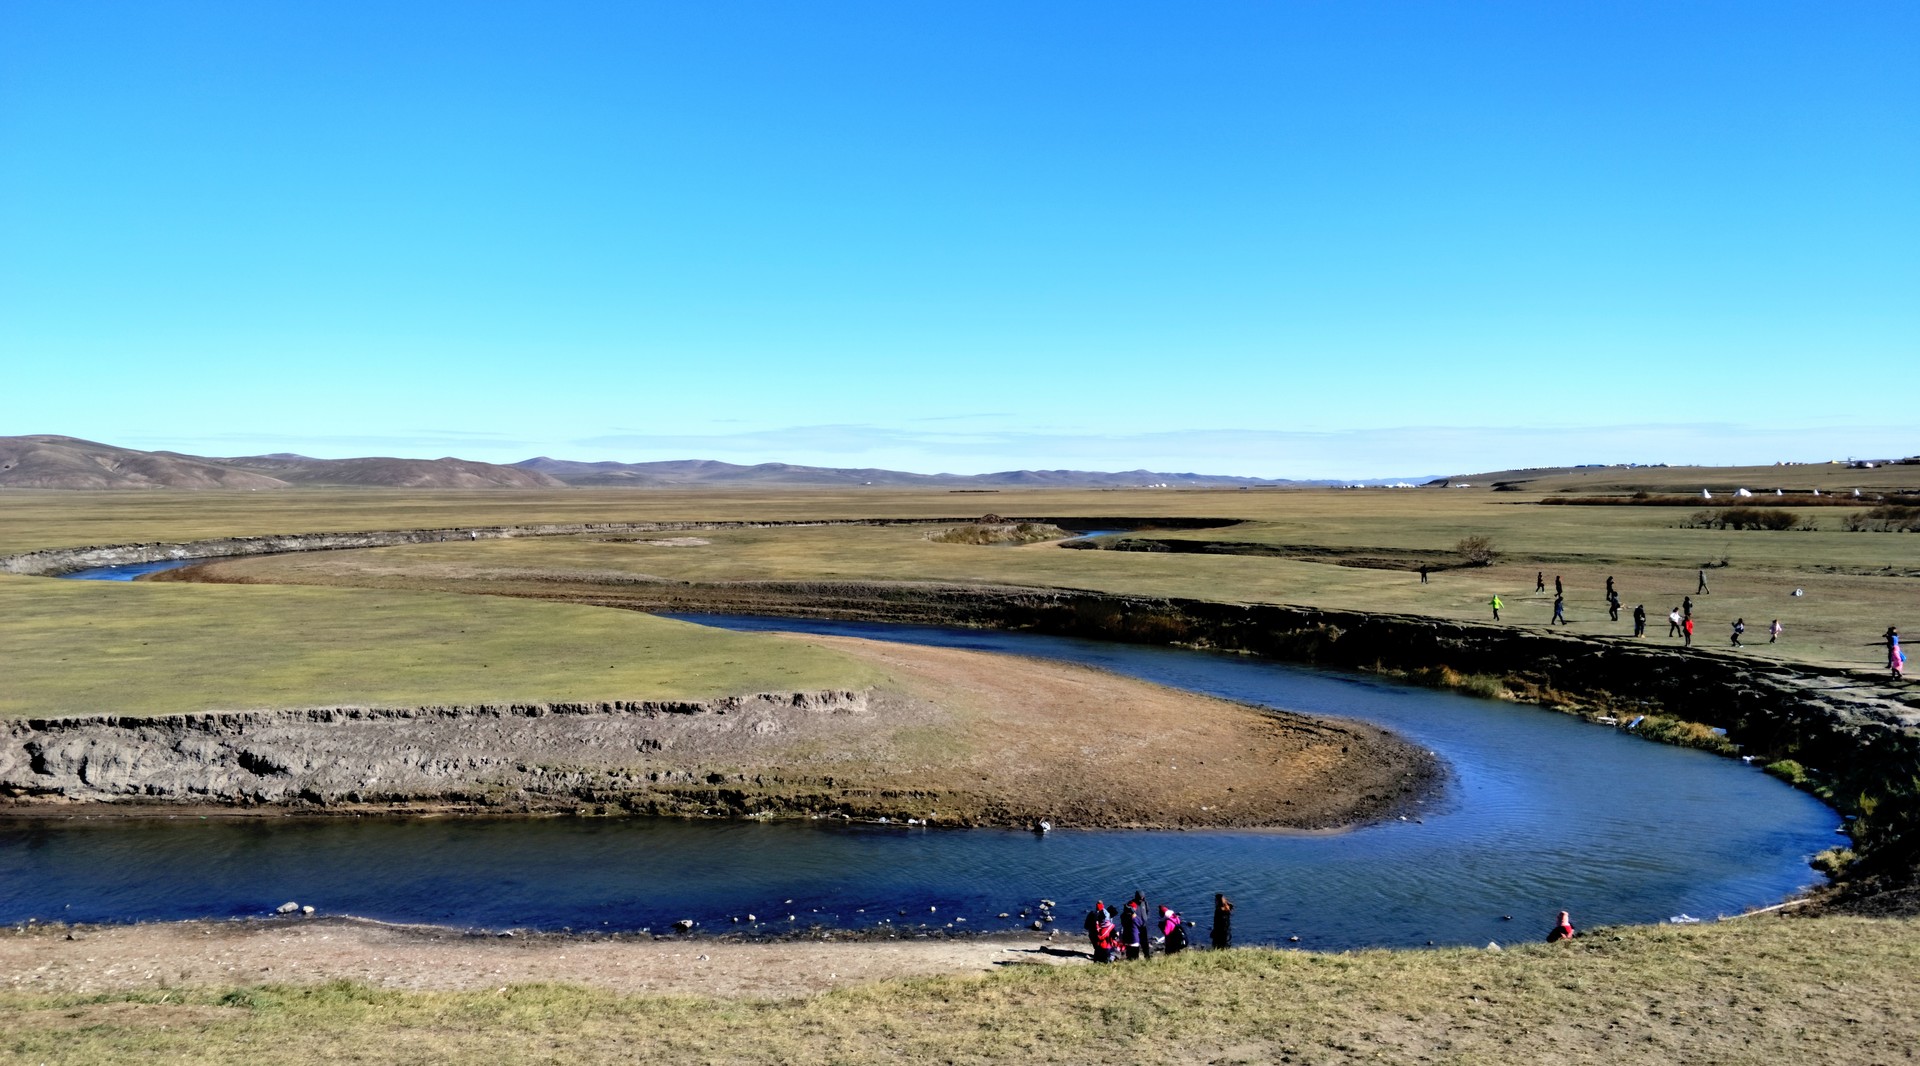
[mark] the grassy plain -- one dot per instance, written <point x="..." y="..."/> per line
<point x="1756" y="991"/>
<point x="87" y="647"/>
<point x="1854" y="584"/>
<point x="1762" y="990"/>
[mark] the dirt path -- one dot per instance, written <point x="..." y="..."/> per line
<point x="308" y="951"/>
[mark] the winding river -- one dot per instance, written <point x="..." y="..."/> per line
<point x="1540" y="812"/>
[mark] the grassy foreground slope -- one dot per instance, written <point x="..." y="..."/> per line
<point x="1763" y="990"/>
<point x="83" y="647"/>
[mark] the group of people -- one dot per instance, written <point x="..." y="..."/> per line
<point x="1132" y="933"/>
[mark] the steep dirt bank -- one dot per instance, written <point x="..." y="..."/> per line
<point x="957" y="738"/>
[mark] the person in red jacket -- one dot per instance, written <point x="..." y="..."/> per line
<point x="1562" y="930"/>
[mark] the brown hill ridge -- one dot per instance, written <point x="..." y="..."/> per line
<point x="48" y="461"/>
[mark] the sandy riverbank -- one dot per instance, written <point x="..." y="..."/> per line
<point x="95" y="959"/>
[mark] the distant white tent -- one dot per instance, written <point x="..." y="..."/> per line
<point x="1706" y="494"/>
<point x="1742" y="493"/>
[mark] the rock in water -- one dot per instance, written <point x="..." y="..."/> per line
<point x="287" y="908"/>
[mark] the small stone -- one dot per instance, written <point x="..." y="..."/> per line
<point x="1037" y="925"/>
<point x="753" y="917"/>
<point x="684" y="925"/>
<point x="307" y="909"/>
<point x="287" y="908"/>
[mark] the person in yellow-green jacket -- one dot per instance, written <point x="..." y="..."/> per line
<point x="1496" y="607"/>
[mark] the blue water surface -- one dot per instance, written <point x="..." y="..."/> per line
<point x="1539" y="812"/>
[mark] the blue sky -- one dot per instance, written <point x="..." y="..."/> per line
<point x="1279" y="239"/>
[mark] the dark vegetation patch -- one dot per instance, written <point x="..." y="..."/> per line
<point x="1774" y="518"/>
<point x="1886" y="518"/>
<point x="983" y="533"/>
<point x="1791" y="498"/>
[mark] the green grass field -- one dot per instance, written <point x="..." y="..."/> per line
<point x="83" y="647"/>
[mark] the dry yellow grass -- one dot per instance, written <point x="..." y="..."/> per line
<point x="1761" y="991"/>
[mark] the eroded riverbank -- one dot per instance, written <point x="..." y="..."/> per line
<point x="957" y="738"/>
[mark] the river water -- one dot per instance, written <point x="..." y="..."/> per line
<point x="1539" y="812"/>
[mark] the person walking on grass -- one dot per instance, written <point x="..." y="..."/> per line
<point x="1703" y="589"/>
<point x="1496" y="605"/>
<point x="1558" y="589"/>
<point x="1222" y="922"/>
<point x="1613" y="604"/>
<point x="1773" y="632"/>
<point x="1639" y="619"/>
<point x="1559" y="610"/>
<point x="1673" y="622"/>
<point x="1423" y="573"/>
<point x="1540" y="581"/>
<point x="1739" y="627"/>
<point x="1896" y="659"/>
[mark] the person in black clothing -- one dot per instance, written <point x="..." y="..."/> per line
<point x="1639" y="619"/>
<point x="1739" y="627"/>
<point x="1222" y="922"/>
<point x="1613" y="605"/>
<point x="1609" y="584"/>
<point x="1559" y="610"/>
<point x="1558" y="590"/>
<point x="1686" y="607"/>
<point x="1703" y="582"/>
<point x="1540" y="581"/>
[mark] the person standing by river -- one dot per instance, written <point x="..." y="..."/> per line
<point x="1139" y="903"/>
<point x="1173" y="930"/>
<point x="1133" y="930"/>
<point x="1222" y="922"/>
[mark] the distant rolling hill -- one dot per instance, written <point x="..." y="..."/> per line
<point x="46" y="461"/>
<point x="711" y="473"/>
<point x="50" y="462"/>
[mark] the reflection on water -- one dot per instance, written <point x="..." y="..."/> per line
<point x="128" y="571"/>
<point x="1540" y="812"/>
